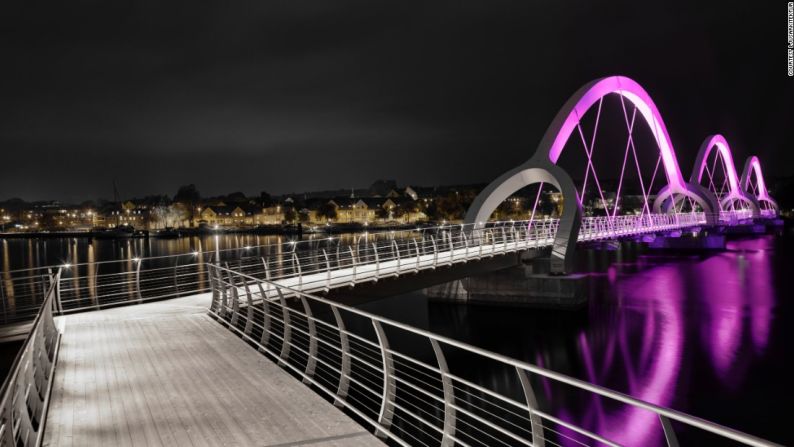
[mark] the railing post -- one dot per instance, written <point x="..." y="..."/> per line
<point x="465" y="245"/>
<point x="224" y="294"/>
<point x="6" y="414"/>
<point x="234" y="296"/>
<point x="56" y="281"/>
<point x="214" y="288"/>
<point x="538" y="440"/>
<point x="266" y="323"/>
<point x="450" y="418"/>
<point x="435" y="251"/>
<point x="669" y="433"/>
<point x="416" y="247"/>
<point x="396" y="250"/>
<point x="386" y="412"/>
<point x="311" y="361"/>
<point x="451" y="247"/>
<point x="504" y="241"/>
<point x="344" y="371"/>
<point x="377" y="262"/>
<point x="286" y="340"/>
<point x="328" y="271"/>
<point x="267" y="268"/>
<point x="24" y="429"/>
<point x="138" y="263"/>
<point x="297" y="263"/>
<point x="353" y="259"/>
<point x="249" y="315"/>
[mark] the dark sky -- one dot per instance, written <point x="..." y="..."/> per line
<point x="303" y="95"/>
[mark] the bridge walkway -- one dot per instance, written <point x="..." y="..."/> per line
<point x="167" y="374"/>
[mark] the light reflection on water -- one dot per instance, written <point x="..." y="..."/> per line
<point x="702" y="334"/>
<point x="26" y="253"/>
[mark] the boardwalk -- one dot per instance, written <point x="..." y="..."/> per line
<point x="166" y="374"/>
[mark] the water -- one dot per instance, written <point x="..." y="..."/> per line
<point x="26" y="253"/>
<point x="707" y="335"/>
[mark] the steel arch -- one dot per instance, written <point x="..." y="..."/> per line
<point x="735" y="192"/>
<point x="542" y="166"/>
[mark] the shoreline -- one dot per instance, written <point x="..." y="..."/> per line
<point x="276" y="230"/>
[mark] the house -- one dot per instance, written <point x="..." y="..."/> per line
<point x="366" y="210"/>
<point x="352" y="210"/>
<point x="126" y="214"/>
<point x="271" y="215"/>
<point x="241" y="215"/>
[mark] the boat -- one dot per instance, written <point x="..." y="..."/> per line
<point x="120" y="232"/>
<point x="168" y="233"/>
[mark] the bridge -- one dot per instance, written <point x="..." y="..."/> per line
<point x="131" y="328"/>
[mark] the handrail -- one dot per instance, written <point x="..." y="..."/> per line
<point x="411" y="379"/>
<point x="25" y="394"/>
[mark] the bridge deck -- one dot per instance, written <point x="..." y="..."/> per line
<point x="166" y="374"/>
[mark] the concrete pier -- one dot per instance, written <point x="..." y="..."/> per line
<point x="527" y="285"/>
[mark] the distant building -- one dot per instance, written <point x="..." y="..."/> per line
<point x="241" y="215"/>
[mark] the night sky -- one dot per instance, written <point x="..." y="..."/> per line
<point x="291" y="95"/>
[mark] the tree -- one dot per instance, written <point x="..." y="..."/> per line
<point x="327" y="210"/>
<point x="382" y="213"/>
<point x="290" y="214"/>
<point x="188" y="195"/>
<point x="265" y="200"/>
<point x="303" y="215"/>
<point x="235" y="197"/>
<point x="432" y="211"/>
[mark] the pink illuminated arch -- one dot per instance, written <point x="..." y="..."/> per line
<point x="734" y="191"/>
<point x="753" y="166"/>
<point x="582" y="100"/>
<point x="757" y="190"/>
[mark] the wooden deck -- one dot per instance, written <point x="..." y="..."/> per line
<point x="165" y="374"/>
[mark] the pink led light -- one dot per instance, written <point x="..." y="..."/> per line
<point x="719" y="142"/>
<point x="633" y="92"/>
<point x="761" y="192"/>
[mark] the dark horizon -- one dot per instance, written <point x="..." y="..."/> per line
<point x="286" y="97"/>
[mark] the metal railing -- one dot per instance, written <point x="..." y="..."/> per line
<point x="415" y="387"/>
<point x="733" y="217"/>
<point x="25" y="395"/>
<point x="309" y="265"/>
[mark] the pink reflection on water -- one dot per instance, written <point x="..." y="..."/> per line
<point x="721" y="291"/>
<point x="654" y="299"/>
<point x="644" y="342"/>
<point x="758" y="287"/>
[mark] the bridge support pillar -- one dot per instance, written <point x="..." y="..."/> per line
<point x="690" y="242"/>
<point x="530" y="285"/>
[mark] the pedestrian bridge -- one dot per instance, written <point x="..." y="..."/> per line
<point x="323" y="269"/>
<point x="220" y="341"/>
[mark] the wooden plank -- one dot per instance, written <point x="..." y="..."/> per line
<point x="165" y="373"/>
